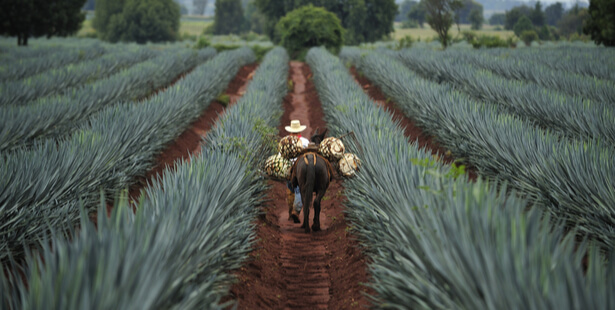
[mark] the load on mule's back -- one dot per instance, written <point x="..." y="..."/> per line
<point x="307" y="168"/>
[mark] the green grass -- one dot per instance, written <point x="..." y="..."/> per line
<point x="193" y="26"/>
<point x="86" y="29"/>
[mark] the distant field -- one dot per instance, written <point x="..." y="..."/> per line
<point x="427" y="32"/>
<point x="192" y="25"/>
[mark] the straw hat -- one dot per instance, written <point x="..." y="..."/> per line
<point x="295" y="127"/>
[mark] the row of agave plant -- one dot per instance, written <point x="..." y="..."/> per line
<point x="591" y="62"/>
<point x="189" y="230"/>
<point x="438" y="241"/>
<point x="592" y="88"/>
<point x="9" y="53"/>
<point x="22" y="92"/>
<point x="565" y="114"/>
<point x="572" y="179"/>
<point x="58" y="116"/>
<point x="41" y="188"/>
<point x="31" y="66"/>
<point x="569" y="116"/>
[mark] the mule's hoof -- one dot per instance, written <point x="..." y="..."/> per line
<point x="295" y="218"/>
<point x="316" y="227"/>
<point x="307" y="230"/>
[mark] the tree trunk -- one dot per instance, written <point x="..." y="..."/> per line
<point x="19" y="40"/>
<point x="25" y="40"/>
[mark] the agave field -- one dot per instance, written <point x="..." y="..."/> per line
<point x="501" y="244"/>
<point x="82" y="121"/>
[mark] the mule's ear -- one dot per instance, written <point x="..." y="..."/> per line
<point x="325" y="132"/>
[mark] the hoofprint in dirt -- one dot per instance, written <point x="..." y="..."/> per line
<point x="288" y="268"/>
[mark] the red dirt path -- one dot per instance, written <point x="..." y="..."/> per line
<point x="288" y="268"/>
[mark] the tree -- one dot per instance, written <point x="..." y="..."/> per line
<point x="364" y="20"/>
<point x="306" y="27"/>
<point x="528" y="36"/>
<point x="512" y="16"/>
<point x="199" y="6"/>
<point x="523" y="24"/>
<point x="254" y="19"/>
<point x="601" y="22"/>
<point x="440" y="17"/>
<point x="228" y="17"/>
<point x="404" y="9"/>
<point x="497" y="19"/>
<point x="144" y="21"/>
<point x="463" y="13"/>
<point x="537" y="16"/>
<point x="36" y="18"/>
<point x="89" y="5"/>
<point x="572" y="22"/>
<point x="476" y="19"/>
<point x="553" y="13"/>
<point x="378" y="21"/>
<point x="104" y="10"/>
<point x="418" y="13"/>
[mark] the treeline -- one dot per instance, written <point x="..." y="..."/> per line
<point x="549" y="23"/>
<point x="413" y="13"/>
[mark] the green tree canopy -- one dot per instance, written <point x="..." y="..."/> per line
<point x="36" y="18"/>
<point x="255" y="20"/>
<point x="104" y="10"/>
<point x="523" y="24"/>
<point x="601" y="22"/>
<point x="463" y="13"/>
<point x="228" y="17"/>
<point x="364" y="20"/>
<point x="306" y="27"/>
<point x="476" y="19"/>
<point x="404" y="9"/>
<point x="497" y="19"/>
<point x="418" y="13"/>
<point x="572" y="22"/>
<point x="142" y="21"/>
<point x="512" y="16"/>
<point x="440" y="14"/>
<point x="89" y="5"/>
<point x="553" y="13"/>
<point x="537" y="16"/>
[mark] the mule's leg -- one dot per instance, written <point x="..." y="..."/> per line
<point x="306" y="218"/>
<point x="316" y="225"/>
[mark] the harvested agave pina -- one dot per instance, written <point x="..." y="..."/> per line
<point x="278" y="167"/>
<point x="332" y="148"/>
<point x="290" y="147"/>
<point x="349" y="164"/>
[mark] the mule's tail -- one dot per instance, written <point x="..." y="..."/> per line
<point x="308" y="190"/>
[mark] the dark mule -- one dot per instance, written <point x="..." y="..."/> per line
<point x="312" y="173"/>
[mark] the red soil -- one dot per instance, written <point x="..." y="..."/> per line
<point x="289" y="269"/>
<point x="411" y="130"/>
